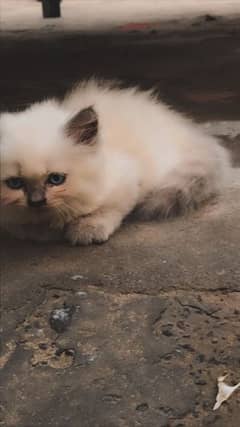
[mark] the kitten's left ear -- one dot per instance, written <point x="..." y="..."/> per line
<point x="83" y="127"/>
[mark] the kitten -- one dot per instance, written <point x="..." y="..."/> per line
<point x="83" y="164"/>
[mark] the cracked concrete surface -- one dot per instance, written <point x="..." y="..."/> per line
<point x="156" y="309"/>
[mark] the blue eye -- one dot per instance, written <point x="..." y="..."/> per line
<point x="15" y="183"/>
<point x="56" y="178"/>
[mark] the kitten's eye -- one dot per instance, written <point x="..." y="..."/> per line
<point x="56" y="178"/>
<point x="15" y="183"/>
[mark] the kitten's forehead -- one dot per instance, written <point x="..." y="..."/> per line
<point x="25" y="169"/>
<point x="33" y="127"/>
<point x="32" y="142"/>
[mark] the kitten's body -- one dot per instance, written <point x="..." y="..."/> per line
<point x="127" y="152"/>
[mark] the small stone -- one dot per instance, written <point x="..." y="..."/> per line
<point x="43" y="346"/>
<point x="167" y="331"/>
<point x="68" y="352"/>
<point x="200" y="381"/>
<point x="22" y="341"/>
<point x="142" y="407"/>
<point x="82" y="294"/>
<point x="167" y="356"/>
<point x="111" y="398"/>
<point x="77" y="277"/>
<point x="86" y="359"/>
<point x="214" y="340"/>
<point x="187" y="347"/>
<point x="60" y="318"/>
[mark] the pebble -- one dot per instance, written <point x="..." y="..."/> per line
<point x="77" y="277"/>
<point x="200" y="381"/>
<point x="142" y="407"/>
<point x="60" y="318"/>
<point x="43" y="346"/>
<point x="167" y="331"/>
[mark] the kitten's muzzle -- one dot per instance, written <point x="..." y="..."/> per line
<point x="37" y="203"/>
<point x="36" y="197"/>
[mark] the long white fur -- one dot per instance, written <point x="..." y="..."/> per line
<point x="144" y="151"/>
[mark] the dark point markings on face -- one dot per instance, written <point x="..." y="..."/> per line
<point x="83" y="127"/>
<point x="35" y="188"/>
<point x="35" y="191"/>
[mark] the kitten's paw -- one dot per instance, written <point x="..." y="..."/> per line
<point x="85" y="234"/>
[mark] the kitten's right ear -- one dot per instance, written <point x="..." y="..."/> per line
<point x="83" y="127"/>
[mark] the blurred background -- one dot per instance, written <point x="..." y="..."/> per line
<point x="188" y="50"/>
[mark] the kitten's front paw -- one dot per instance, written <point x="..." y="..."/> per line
<point x="84" y="234"/>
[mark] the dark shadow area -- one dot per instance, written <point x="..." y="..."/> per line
<point x="199" y="76"/>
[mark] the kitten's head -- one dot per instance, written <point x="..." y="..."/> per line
<point x="50" y="163"/>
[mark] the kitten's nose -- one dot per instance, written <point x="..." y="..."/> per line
<point x="37" y="203"/>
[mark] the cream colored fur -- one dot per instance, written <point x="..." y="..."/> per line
<point x="146" y="157"/>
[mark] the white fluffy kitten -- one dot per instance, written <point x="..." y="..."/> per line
<point x="83" y="164"/>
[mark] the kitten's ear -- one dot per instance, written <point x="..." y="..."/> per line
<point x="83" y="127"/>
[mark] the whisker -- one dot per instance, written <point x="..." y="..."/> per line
<point x="13" y="203"/>
<point x="60" y="191"/>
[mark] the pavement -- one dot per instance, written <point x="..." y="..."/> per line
<point x="134" y="332"/>
<point x="114" y="15"/>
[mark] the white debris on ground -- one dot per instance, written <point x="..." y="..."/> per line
<point x="224" y="391"/>
<point x="77" y="277"/>
<point x="60" y="314"/>
<point x="82" y="294"/>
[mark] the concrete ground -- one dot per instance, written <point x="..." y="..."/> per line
<point x="134" y="332"/>
<point x="112" y="15"/>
